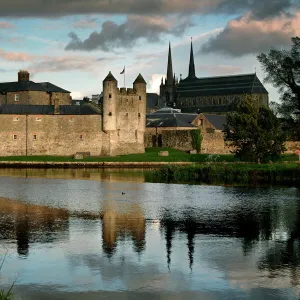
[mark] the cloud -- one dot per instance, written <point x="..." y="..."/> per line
<point x="16" y="56"/>
<point x="67" y="63"/>
<point x="52" y="8"/>
<point x="246" y="35"/>
<point x="127" y="34"/>
<point x="155" y="82"/>
<point x="6" y="25"/>
<point x="259" y="9"/>
<point x="85" y="23"/>
<point x="220" y="69"/>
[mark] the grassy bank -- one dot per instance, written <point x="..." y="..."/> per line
<point x="151" y="155"/>
<point x="279" y="173"/>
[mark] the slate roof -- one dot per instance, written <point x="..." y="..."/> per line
<point x="139" y="79"/>
<point x="221" y="85"/>
<point x="152" y="100"/>
<point x="167" y="110"/>
<point x="170" y="120"/>
<point x="21" y="109"/>
<point x="110" y="77"/>
<point x="218" y="121"/>
<point x="18" y="86"/>
<point x="52" y="87"/>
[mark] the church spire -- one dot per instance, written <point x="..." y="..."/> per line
<point x="170" y="68"/>
<point x="192" y="73"/>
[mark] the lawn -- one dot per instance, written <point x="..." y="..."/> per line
<point x="151" y="155"/>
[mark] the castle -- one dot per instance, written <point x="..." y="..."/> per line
<point x="211" y="94"/>
<point x="38" y="119"/>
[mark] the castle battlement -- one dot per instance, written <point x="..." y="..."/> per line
<point x="126" y="91"/>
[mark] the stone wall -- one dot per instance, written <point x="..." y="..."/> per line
<point x="292" y="146"/>
<point x="35" y="98"/>
<point x="52" y="135"/>
<point x="182" y="140"/>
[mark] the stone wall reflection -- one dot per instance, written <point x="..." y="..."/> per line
<point x="31" y="224"/>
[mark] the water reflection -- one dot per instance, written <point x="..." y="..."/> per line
<point x="118" y="225"/>
<point x="106" y="236"/>
<point x="27" y="224"/>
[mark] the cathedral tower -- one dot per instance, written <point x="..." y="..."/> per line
<point x="168" y="88"/>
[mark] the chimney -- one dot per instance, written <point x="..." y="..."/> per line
<point x="23" y="75"/>
<point x="56" y="106"/>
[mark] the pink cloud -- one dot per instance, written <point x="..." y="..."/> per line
<point x="16" y="56"/>
<point x="6" y="25"/>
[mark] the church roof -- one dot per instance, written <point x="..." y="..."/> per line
<point x="139" y="79"/>
<point x="110" y="77"/>
<point x="221" y="85"/>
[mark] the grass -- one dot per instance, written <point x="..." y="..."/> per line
<point x="6" y="295"/>
<point x="235" y="173"/>
<point x="151" y="155"/>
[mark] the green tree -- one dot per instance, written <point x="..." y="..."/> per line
<point x="254" y="132"/>
<point x="283" y="71"/>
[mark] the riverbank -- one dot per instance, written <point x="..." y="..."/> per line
<point x="231" y="173"/>
<point x="149" y="159"/>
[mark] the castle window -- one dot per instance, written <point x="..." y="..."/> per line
<point x="126" y="114"/>
<point x="34" y="137"/>
<point x="109" y="96"/>
<point x="139" y="115"/>
<point x="81" y="137"/>
<point x="140" y="97"/>
<point x="15" y="119"/>
<point x="38" y="119"/>
<point x="110" y="114"/>
<point x="17" y="97"/>
<point x="15" y="137"/>
<point x="201" y="122"/>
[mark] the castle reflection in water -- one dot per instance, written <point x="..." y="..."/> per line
<point x="31" y="224"/>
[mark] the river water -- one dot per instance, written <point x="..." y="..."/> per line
<point x="74" y="234"/>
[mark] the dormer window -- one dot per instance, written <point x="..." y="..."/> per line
<point x="17" y="97"/>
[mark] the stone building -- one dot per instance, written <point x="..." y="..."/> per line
<point x="211" y="94"/>
<point x="25" y="91"/>
<point x="115" y="128"/>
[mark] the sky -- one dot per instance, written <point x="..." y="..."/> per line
<point x="75" y="43"/>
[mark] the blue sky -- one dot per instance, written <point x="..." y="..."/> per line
<point x="74" y="44"/>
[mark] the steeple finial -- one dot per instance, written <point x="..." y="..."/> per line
<point x="170" y="68"/>
<point x="192" y="73"/>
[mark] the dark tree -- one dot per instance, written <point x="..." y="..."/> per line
<point x="283" y="71"/>
<point x="254" y="132"/>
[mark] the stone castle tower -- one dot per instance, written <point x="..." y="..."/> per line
<point x="124" y="115"/>
<point x="168" y="88"/>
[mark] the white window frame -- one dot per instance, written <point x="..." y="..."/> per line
<point x="17" y="97"/>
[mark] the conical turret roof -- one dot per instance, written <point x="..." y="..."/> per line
<point x="139" y="79"/>
<point x="110" y="77"/>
